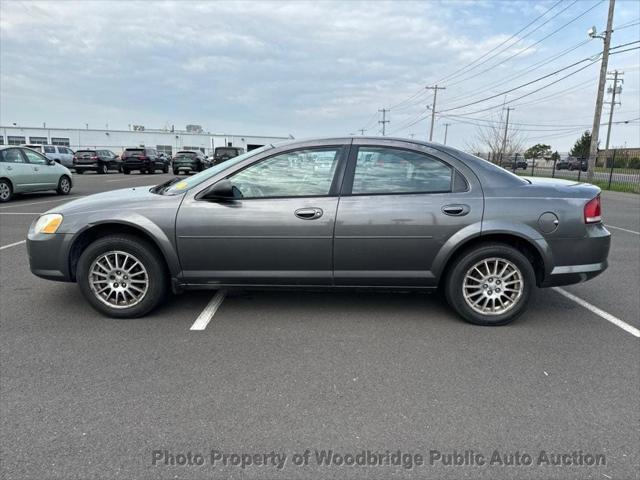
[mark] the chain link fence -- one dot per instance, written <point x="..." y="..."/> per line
<point x="615" y="169"/>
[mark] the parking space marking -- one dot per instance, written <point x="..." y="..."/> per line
<point x="623" y="229"/>
<point x="20" y="213"/>
<point x="12" y="244"/>
<point x="61" y="200"/>
<point x="601" y="313"/>
<point x="209" y="311"/>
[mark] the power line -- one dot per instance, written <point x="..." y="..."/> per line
<point x="519" y="52"/>
<point x="460" y="70"/>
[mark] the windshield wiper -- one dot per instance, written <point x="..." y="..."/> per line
<point x="164" y="185"/>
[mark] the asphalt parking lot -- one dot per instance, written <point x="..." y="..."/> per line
<point x="83" y="396"/>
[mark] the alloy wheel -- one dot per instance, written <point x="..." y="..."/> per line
<point x="5" y="191"/>
<point x="64" y="185"/>
<point x="118" y="279"/>
<point x="493" y="286"/>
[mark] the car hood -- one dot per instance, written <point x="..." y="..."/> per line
<point x="117" y="201"/>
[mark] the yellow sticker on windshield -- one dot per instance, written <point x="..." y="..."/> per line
<point x="181" y="185"/>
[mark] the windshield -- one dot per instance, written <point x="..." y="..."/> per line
<point x="226" y="151"/>
<point x="186" y="154"/>
<point x="198" y="178"/>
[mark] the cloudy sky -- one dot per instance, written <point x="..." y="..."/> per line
<point x="314" y="68"/>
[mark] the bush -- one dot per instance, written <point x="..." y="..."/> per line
<point x="634" y="162"/>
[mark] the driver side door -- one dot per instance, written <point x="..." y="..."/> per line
<point x="278" y="230"/>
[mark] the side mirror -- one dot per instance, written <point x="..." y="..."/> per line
<point x="221" y="191"/>
<point x="50" y="161"/>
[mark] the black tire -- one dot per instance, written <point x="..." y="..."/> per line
<point x="454" y="282"/>
<point x="103" y="168"/>
<point x="176" y="171"/>
<point x="165" y="169"/>
<point x="64" y="185"/>
<point x="145" y="253"/>
<point x="79" y="171"/>
<point x="126" y="171"/>
<point x="6" y="190"/>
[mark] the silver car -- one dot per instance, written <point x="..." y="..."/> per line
<point x="25" y="170"/>
<point x="331" y="213"/>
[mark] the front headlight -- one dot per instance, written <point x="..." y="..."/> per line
<point x="48" y="223"/>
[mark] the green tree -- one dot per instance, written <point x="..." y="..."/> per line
<point x="540" y="150"/>
<point x="581" y="147"/>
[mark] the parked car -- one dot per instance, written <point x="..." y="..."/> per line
<point x="59" y="153"/>
<point x="145" y="160"/>
<point x="562" y="164"/>
<point x="25" y="170"/>
<point x="189" y="161"/>
<point x="334" y="213"/>
<point x="222" y="154"/>
<point x="520" y="162"/>
<point x="578" y="164"/>
<point x="99" y="161"/>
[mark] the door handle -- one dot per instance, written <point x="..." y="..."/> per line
<point x="9" y="168"/>
<point x="457" y="210"/>
<point x="36" y="168"/>
<point x="308" y="213"/>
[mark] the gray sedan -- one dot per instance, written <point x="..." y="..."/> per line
<point x="331" y="213"/>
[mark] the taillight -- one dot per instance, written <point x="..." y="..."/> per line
<point x="593" y="211"/>
<point x="95" y="157"/>
<point x="75" y="159"/>
<point x="142" y="157"/>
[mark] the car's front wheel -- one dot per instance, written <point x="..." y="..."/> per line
<point x="64" y="185"/>
<point x="490" y="284"/>
<point x="103" y="168"/>
<point x="122" y="276"/>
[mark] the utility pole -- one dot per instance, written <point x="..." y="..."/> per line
<point x="593" y="150"/>
<point x="446" y="130"/>
<point x="362" y="130"/>
<point x="435" y="89"/>
<point x="384" y="120"/>
<point x="504" y="139"/>
<point x="614" y="91"/>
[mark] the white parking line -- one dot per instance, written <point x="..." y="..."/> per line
<point x="601" y="313"/>
<point x="12" y="244"/>
<point x="623" y="229"/>
<point x="20" y="213"/>
<point x="59" y="200"/>
<point x="207" y="314"/>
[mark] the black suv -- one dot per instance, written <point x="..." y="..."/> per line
<point x="578" y="164"/>
<point x="145" y="160"/>
<point x="100" y="161"/>
<point x="222" y="154"/>
<point x="189" y="160"/>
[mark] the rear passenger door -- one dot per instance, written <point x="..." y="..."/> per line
<point x="399" y="206"/>
<point x="14" y="166"/>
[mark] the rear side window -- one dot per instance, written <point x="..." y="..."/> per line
<point x="11" y="155"/>
<point x="50" y="150"/>
<point x="381" y="170"/>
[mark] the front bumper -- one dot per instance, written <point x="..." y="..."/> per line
<point x="49" y="255"/>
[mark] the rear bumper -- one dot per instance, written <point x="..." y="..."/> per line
<point x="579" y="260"/>
<point x="185" y="165"/>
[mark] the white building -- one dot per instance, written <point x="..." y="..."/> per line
<point x="166" y="141"/>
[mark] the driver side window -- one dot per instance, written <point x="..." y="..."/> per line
<point x="34" y="158"/>
<point x="299" y="173"/>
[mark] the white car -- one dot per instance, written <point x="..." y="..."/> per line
<point x="59" y="153"/>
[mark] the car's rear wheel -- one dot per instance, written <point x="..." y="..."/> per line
<point x="122" y="276"/>
<point x="79" y="171"/>
<point x="64" y="185"/>
<point x="490" y="284"/>
<point x="6" y="190"/>
<point x="165" y="169"/>
<point x="126" y="171"/>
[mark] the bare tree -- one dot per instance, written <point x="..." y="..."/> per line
<point x="489" y="139"/>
